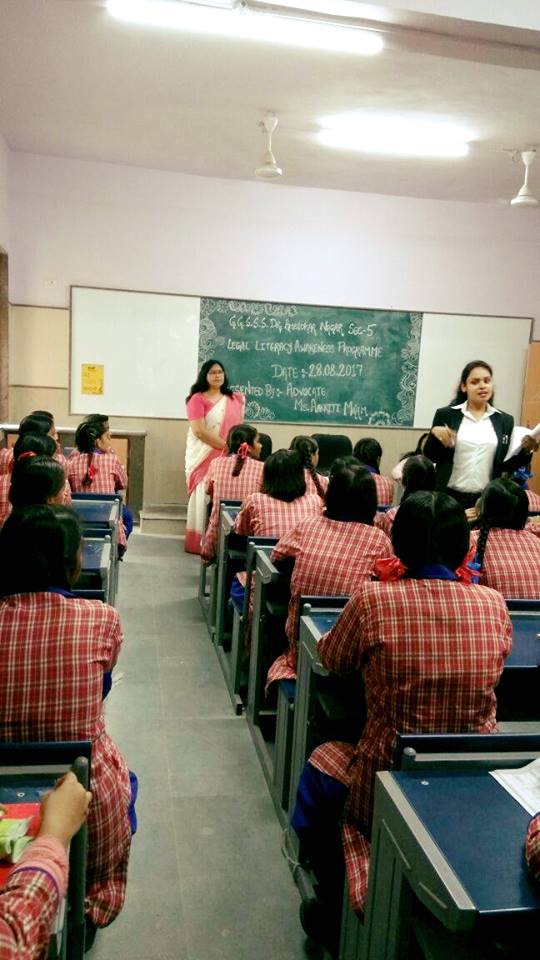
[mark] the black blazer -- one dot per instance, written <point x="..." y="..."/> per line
<point x="443" y="457"/>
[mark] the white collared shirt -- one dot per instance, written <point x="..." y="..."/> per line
<point x="476" y="445"/>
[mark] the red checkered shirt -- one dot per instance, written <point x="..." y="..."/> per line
<point x="532" y="846"/>
<point x="331" y="558"/>
<point x="5" y="506"/>
<point x="431" y="653"/>
<point x="310" y="483"/>
<point x="6" y="458"/>
<point x="267" y="517"/>
<point x="110" y="476"/>
<point x="30" y="899"/>
<point x="220" y="485"/>
<point x="55" y="651"/>
<point x="511" y="562"/>
<point x="385" y="489"/>
<point x="385" y="521"/>
<point x="534" y="500"/>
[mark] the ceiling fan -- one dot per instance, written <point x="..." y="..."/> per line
<point x="268" y="169"/>
<point x="525" y="196"/>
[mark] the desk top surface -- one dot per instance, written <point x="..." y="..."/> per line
<point x="480" y="829"/>
<point x="320" y="623"/>
<point x="95" y="554"/>
<point x="96" y="511"/>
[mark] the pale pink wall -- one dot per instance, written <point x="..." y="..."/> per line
<point x="118" y="226"/>
<point x="4" y="180"/>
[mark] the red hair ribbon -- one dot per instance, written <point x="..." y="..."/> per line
<point x="391" y="568"/>
<point x="465" y="573"/>
<point x="26" y="454"/>
<point x="243" y="450"/>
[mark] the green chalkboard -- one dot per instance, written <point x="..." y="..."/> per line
<point x="307" y="364"/>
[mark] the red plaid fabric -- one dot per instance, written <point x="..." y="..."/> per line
<point x="331" y="558"/>
<point x="534" y="500"/>
<point x="220" y="484"/>
<point x="533" y="526"/>
<point x="310" y="483"/>
<point x="6" y="457"/>
<point x="385" y="489"/>
<point x="532" y="846"/>
<point x="431" y="653"/>
<point x="268" y="517"/>
<point x="5" y="506"/>
<point x="511" y="562"/>
<point x="55" y="651"/>
<point x="109" y="477"/>
<point x="385" y="521"/>
<point x="28" y="905"/>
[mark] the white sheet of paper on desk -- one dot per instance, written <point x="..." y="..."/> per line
<point x="517" y="436"/>
<point x="523" y="784"/>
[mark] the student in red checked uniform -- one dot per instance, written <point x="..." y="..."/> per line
<point x="55" y="651"/>
<point x="508" y="553"/>
<point x="431" y="647"/>
<point x="234" y="477"/>
<point x="95" y="467"/>
<point x="32" y="894"/>
<point x="332" y="553"/>
<point x="283" y="500"/>
<point x="369" y="452"/>
<point x="30" y="446"/>
<point x="308" y="450"/>
<point x="418" y="474"/>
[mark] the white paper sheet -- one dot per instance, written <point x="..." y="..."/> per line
<point x="522" y="784"/>
<point x="517" y="436"/>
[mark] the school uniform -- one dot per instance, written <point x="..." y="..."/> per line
<point x="264" y="516"/>
<point x="107" y="476"/>
<point x="6" y="458"/>
<point x="431" y="652"/>
<point x="331" y="557"/>
<point x="383" y="485"/>
<point x="5" y="506"/>
<point x="30" y="899"/>
<point x="511" y="562"/>
<point x="310" y="483"/>
<point x="220" y="485"/>
<point x="55" y="650"/>
<point x="479" y="452"/>
<point x="532" y="846"/>
<point x="534" y="501"/>
<point x="385" y="521"/>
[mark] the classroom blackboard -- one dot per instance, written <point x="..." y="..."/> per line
<point x="313" y="364"/>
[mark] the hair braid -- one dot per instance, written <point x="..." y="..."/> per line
<point x="238" y="464"/>
<point x="315" y="477"/>
<point x="87" y="479"/>
<point x="482" y="542"/>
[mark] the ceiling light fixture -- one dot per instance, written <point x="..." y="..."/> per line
<point x="394" y="136"/>
<point x="525" y="197"/>
<point x="250" y="20"/>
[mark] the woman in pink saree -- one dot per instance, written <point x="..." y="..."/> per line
<point x="212" y="409"/>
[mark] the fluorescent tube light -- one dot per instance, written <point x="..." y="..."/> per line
<point x="394" y="136"/>
<point x="247" y="25"/>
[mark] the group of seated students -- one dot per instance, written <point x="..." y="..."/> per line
<point x="426" y="623"/>
<point x="56" y="652"/>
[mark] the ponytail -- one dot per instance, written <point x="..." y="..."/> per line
<point x="90" y="471"/>
<point x="306" y="447"/>
<point x="239" y="440"/>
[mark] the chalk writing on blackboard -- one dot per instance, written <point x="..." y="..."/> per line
<point x="316" y="364"/>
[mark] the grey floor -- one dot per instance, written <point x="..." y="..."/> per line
<point x="207" y="880"/>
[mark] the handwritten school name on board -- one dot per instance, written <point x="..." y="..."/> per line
<point x="316" y="364"/>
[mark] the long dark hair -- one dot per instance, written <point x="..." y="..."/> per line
<point x="306" y="447"/>
<point x="243" y="433"/>
<point x="283" y="476"/>
<point x="35" y="423"/>
<point x="201" y="383"/>
<point x="38" y="549"/>
<point x="41" y="444"/>
<point x="351" y="495"/>
<point x="461" y="396"/>
<point x="86" y="437"/>
<point x="503" y="504"/>
<point x="369" y="451"/>
<point x="418" y="474"/>
<point x="430" y="528"/>
<point x="35" y="480"/>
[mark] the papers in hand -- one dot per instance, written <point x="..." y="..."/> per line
<point x="518" y="433"/>
<point x="522" y="784"/>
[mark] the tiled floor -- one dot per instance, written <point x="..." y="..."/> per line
<point x="207" y="879"/>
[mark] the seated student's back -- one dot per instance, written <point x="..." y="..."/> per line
<point x="55" y="650"/>
<point x="508" y="552"/>
<point x="232" y="477"/>
<point x="49" y="477"/>
<point x="418" y="474"/>
<point x="283" y="500"/>
<point x="95" y="468"/>
<point x="369" y="452"/>
<point x="308" y="450"/>
<point x="332" y="553"/>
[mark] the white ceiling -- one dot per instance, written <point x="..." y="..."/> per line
<point x="76" y="83"/>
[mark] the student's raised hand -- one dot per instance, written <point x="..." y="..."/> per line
<point x="64" y="810"/>
<point x="445" y="435"/>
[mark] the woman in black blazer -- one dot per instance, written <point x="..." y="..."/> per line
<point x="469" y="439"/>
